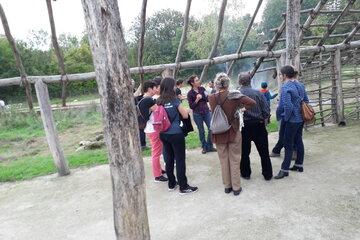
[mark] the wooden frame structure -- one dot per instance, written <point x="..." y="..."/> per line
<point x="127" y="173"/>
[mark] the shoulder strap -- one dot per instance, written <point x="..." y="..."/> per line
<point x="218" y="99"/>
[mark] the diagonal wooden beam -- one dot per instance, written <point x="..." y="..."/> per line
<point x="331" y="28"/>
<point x="241" y="45"/>
<point x="183" y="35"/>
<point x="312" y="16"/>
<point x="352" y="33"/>
<point x="17" y="57"/>
<point x="217" y="38"/>
<point x="58" y="53"/>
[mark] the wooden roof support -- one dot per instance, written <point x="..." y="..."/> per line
<point x="328" y="24"/>
<point x="188" y="64"/>
<point x="18" y="60"/>
<point x="58" y="52"/>
<point x="142" y="40"/>
<point x="241" y="45"/>
<point x="332" y="28"/>
<point x="121" y="130"/>
<point x="303" y="11"/>
<point x="217" y="38"/>
<point x="183" y="35"/>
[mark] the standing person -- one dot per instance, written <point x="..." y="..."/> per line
<point x="179" y="85"/>
<point x="289" y="110"/>
<point x="229" y="143"/>
<point x="198" y="99"/>
<point x="173" y="139"/>
<point x="255" y="130"/>
<point x="141" y="123"/>
<point x="146" y="106"/>
<point x="264" y="89"/>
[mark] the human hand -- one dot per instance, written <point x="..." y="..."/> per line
<point x="198" y="97"/>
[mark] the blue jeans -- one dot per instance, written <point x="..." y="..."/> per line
<point x="200" y="119"/>
<point x="293" y="137"/>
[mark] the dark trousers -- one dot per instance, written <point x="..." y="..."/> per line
<point x="174" y="150"/>
<point x="280" y="143"/>
<point x="255" y="131"/>
<point x="142" y="138"/>
<point x="293" y="137"/>
<point x="200" y="119"/>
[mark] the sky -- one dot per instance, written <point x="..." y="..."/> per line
<point x="27" y="15"/>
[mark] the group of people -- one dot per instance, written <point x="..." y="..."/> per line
<point x="247" y="111"/>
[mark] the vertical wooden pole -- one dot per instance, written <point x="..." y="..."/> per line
<point x="339" y="90"/>
<point x="112" y="72"/>
<point x="357" y="90"/>
<point x="183" y="36"/>
<point x="58" y="53"/>
<point x="42" y="94"/>
<point x="320" y="92"/>
<point x="142" y="40"/>
<point x="292" y="33"/>
<point x="333" y="90"/>
<point x="217" y="37"/>
<point x="18" y="60"/>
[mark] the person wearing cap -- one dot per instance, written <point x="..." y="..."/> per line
<point x="255" y="130"/>
<point x="229" y="143"/>
<point x="264" y="89"/>
<point x="198" y="100"/>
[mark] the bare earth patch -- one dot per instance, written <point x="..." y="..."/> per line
<point x="321" y="203"/>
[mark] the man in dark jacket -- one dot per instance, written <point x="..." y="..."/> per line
<point x="255" y="129"/>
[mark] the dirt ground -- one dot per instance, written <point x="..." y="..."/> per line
<point x="321" y="203"/>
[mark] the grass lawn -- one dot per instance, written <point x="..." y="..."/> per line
<point x="24" y="152"/>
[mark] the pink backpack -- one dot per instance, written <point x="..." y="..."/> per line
<point x="161" y="119"/>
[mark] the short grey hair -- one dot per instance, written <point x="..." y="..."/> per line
<point x="244" y="79"/>
<point x="221" y="81"/>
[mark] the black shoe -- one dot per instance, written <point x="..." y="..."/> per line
<point x="245" y="177"/>
<point x="161" y="179"/>
<point x="237" y="192"/>
<point x="228" y="190"/>
<point x="296" y="168"/>
<point x="172" y="188"/>
<point x="188" y="189"/>
<point x="267" y="178"/>
<point x="212" y="150"/>
<point x="281" y="175"/>
<point x="203" y="151"/>
<point x="163" y="172"/>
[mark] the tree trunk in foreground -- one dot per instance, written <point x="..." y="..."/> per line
<point x="119" y="117"/>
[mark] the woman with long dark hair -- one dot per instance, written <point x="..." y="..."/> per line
<point x="289" y="111"/>
<point x="173" y="139"/>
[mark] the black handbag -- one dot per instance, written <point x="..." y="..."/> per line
<point x="186" y="125"/>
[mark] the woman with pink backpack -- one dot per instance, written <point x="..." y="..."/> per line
<point x="167" y="122"/>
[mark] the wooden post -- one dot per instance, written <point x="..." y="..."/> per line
<point x="58" y="53"/>
<point x="280" y="62"/>
<point x="339" y="90"/>
<point x="183" y="36"/>
<point x="17" y="58"/>
<point x="292" y="33"/>
<point x="109" y="51"/>
<point x="217" y="38"/>
<point x="42" y="94"/>
<point x="357" y="90"/>
<point x="142" y="40"/>
<point x="320" y="92"/>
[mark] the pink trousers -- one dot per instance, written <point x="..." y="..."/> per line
<point x="156" y="151"/>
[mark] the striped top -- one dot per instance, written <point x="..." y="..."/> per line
<point x="289" y="108"/>
<point x="261" y="110"/>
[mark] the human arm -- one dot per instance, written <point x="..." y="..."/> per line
<point x="273" y="96"/>
<point x="287" y="105"/>
<point x="247" y="102"/>
<point x="191" y="99"/>
<point x="264" y="106"/>
<point x="184" y="112"/>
